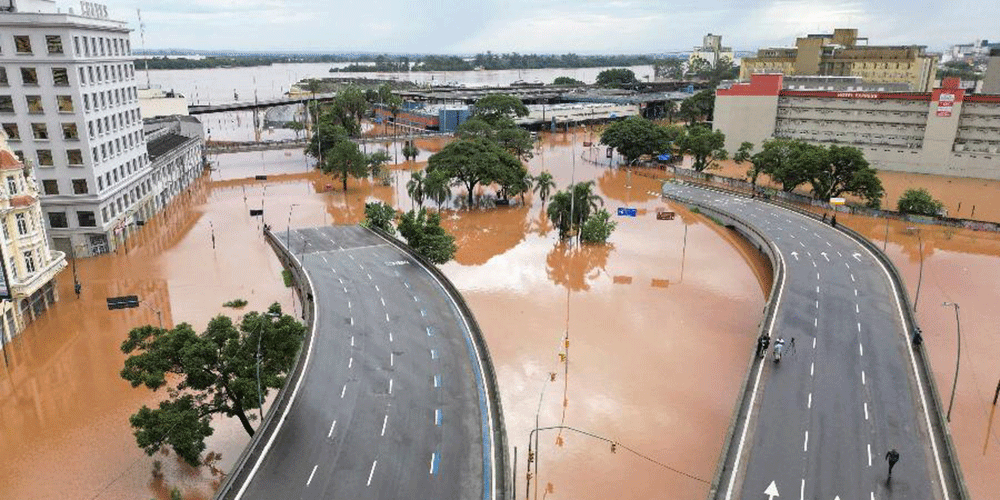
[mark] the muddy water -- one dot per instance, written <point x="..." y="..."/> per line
<point x="652" y="319"/>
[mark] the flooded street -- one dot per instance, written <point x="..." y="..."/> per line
<point x="660" y="324"/>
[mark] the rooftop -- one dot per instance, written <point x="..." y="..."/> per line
<point x="164" y="144"/>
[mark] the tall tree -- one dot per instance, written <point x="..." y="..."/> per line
<point x="844" y="169"/>
<point x="437" y="187"/>
<point x="705" y="146"/>
<point x="636" y="136"/>
<point x="494" y="107"/>
<point x="544" y="185"/>
<point x="779" y="159"/>
<point x="671" y="68"/>
<point x="919" y="201"/>
<point x="214" y="373"/>
<point x="698" y="107"/>
<point x="380" y="215"/>
<point x="415" y="188"/>
<point x="472" y="162"/>
<point x="346" y="160"/>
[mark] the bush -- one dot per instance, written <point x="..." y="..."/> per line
<point x="598" y="227"/>
<point x="424" y="234"/>
<point x="919" y="202"/>
<point x="235" y="304"/>
<point x="287" y="276"/>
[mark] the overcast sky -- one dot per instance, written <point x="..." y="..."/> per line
<point x="545" y="26"/>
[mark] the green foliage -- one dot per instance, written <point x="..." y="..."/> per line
<point x="501" y="131"/>
<point x="744" y="153"/>
<point x="961" y="69"/>
<point x="565" y="80"/>
<point x="415" y="188"/>
<point x="636" y="136"/>
<point x="778" y="159"/>
<point x="437" y="187"/>
<point x="377" y="161"/>
<point x="698" y="107"/>
<point x="471" y="162"/>
<point x="443" y="63"/>
<point x="212" y="373"/>
<point x="423" y="232"/>
<point x="175" y="494"/>
<point x="346" y="160"/>
<point x="544" y="184"/>
<point x="920" y="202"/>
<point x="704" y="145"/>
<point x="235" y="303"/>
<point x="569" y="210"/>
<point x="495" y="107"/>
<point x="617" y="78"/>
<point x="831" y="172"/>
<point x="286" y="276"/>
<point x="535" y="61"/>
<point x="598" y="227"/>
<point x="669" y="69"/>
<point x="410" y="150"/>
<point x="380" y="215"/>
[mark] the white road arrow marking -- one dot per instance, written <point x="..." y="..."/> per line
<point x="796" y="255"/>
<point x="824" y="256"/>
<point x="772" y="491"/>
<point x="857" y="256"/>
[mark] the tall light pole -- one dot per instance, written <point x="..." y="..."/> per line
<point x="920" y="277"/>
<point x="288" y="230"/>
<point x="958" y="357"/>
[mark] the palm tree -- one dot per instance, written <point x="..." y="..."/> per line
<point x="585" y="201"/>
<point x="525" y="186"/>
<point x="437" y="188"/>
<point x="415" y="187"/>
<point x="544" y="185"/>
<point x="559" y="212"/>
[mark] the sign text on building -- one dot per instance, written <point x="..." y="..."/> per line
<point x="94" y="10"/>
<point x="857" y="95"/>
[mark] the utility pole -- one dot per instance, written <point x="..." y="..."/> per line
<point x="920" y="277"/>
<point x="958" y="358"/>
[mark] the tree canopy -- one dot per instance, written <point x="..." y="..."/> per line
<point x="920" y="202"/>
<point x="380" y="215"/>
<point x="617" y="78"/>
<point x="698" y="107"/>
<point x="565" y="80"/>
<point x="636" y="136"/>
<point x="346" y="160"/>
<point x="569" y="210"/>
<point x="704" y="145"/>
<point x="472" y="162"/>
<point x="495" y="107"/>
<point x="831" y="171"/>
<point x="423" y="232"/>
<point x="208" y="374"/>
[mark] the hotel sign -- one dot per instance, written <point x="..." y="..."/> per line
<point x="93" y="10"/>
<point x="945" y="103"/>
<point x="857" y="95"/>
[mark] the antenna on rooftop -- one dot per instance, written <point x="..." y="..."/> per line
<point x="142" y="37"/>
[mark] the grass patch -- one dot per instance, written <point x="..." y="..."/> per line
<point x="287" y="276"/>
<point x="235" y="304"/>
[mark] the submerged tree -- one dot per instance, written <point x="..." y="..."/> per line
<point x="423" y="232"/>
<point x="208" y="374"/>
<point x="380" y="215"/>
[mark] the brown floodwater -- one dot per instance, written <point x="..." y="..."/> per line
<point x="660" y="323"/>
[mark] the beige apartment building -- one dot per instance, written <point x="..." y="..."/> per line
<point x="946" y="131"/>
<point x="840" y="54"/>
<point x="30" y="265"/>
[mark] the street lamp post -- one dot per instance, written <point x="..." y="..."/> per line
<point x="920" y="276"/>
<point x="958" y="357"/>
<point x="288" y="230"/>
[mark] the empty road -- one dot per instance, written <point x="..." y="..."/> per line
<point x="392" y="404"/>
<point x="823" y="418"/>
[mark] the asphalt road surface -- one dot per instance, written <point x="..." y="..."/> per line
<point x="846" y="392"/>
<point x="391" y="404"/>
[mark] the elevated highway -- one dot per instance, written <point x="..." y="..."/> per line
<point x="849" y="388"/>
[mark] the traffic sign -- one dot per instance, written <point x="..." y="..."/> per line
<point x="664" y="215"/>
<point x="255" y="212"/>
<point x="626" y="212"/>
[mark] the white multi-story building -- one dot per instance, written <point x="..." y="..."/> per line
<point x="31" y="266"/>
<point x="712" y="51"/>
<point x="70" y="108"/>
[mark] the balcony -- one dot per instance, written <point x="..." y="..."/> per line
<point x="22" y="287"/>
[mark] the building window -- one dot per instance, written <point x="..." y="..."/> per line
<point x="12" y="132"/>
<point x="90" y="74"/>
<point x="54" y="43"/>
<point x="29" y="77"/>
<point x="86" y="218"/>
<point x="29" y="262"/>
<point x="45" y="158"/>
<point x="79" y="186"/>
<point x="50" y="186"/>
<point x="11" y="185"/>
<point x="60" y="77"/>
<point x="3" y="77"/>
<point x="58" y="219"/>
<point x="34" y="104"/>
<point x="76" y="45"/>
<point x="22" y="43"/>
<point x="6" y="104"/>
<point x="69" y="132"/>
<point x="104" y="213"/>
<point x="74" y="157"/>
<point x="22" y="223"/>
<point x="100" y="187"/>
<point x="65" y="103"/>
<point x="13" y="265"/>
<point x="40" y="131"/>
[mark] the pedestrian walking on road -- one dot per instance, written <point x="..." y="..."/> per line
<point x="833" y="220"/>
<point x="892" y="456"/>
<point x="824" y="217"/>
<point x="762" y="342"/>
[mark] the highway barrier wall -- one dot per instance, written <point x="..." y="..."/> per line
<point x="241" y="470"/>
<point x="727" y="456"/>
<point x="952" y="470"/>
<point x="502" y="480"/>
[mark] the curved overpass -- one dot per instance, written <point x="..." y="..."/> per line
<point x="395" y="399"/>
<point x="818" y="425"/>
